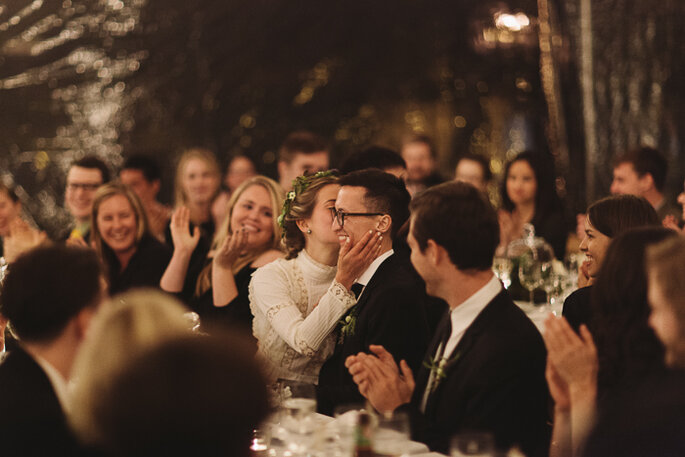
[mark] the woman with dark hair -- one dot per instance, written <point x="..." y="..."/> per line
<point x="298" y="301"/>
<point x="625" y="350"/>
<point x="529" y="196"/>
<point x="606" y="219"/>
<point x="131" y="256"/>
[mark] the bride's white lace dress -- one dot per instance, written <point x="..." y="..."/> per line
<point x="294" y="333"/>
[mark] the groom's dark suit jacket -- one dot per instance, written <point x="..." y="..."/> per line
<point x="496" y="383"/>
<point x="32" y="422"/>
<point x="391" y="312"/>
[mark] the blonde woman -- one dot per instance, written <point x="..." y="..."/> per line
<point x="298" y="301"/>
<point x="125" y="327"/>
<point x="196" y="185"/>
<point x="249" y="237"/>
<point x="130" y="255"/>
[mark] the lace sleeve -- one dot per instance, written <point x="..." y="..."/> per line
<point x="275" y="296"/>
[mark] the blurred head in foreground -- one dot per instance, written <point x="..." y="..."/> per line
<point x="666" y="273"/>
<point x="125" y="327"/>
<point x="199" y="396"/>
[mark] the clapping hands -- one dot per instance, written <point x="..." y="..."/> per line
<point x="380" y="380"/>
<point x="572" y="362"/>
<point x="21" y="238"/>
<point x="180" y="230"/>
<point x="231" y="249"/>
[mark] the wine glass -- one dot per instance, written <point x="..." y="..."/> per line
<point x="551" y="283"/>
<point x="391" y="434"/>
<point x="502" y="266"/>
<point x="530" y="274"/>
<point x="473" y="444"/>
<point x="572" y="263"/>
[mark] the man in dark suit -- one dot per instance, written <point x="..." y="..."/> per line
<point x="390" y="306"/>
<point x="49" y="296"/>
<point x="485" y="368"/>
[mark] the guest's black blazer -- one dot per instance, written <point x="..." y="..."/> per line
<point x="391" y="312"/>
<point x="496" y="383"/>
<point x="32" y="422"/>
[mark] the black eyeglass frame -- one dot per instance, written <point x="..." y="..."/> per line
<point x="341" y="215"/>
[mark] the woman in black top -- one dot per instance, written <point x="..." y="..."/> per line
<point x="606" y="219"/>
<point x="529" y="196"/>
<point x="195" y="188"/>
<point x="130" y="255"/>
<point x="248" y="238"/>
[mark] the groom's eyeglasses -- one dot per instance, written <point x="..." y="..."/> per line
<point x="341" y="215"/>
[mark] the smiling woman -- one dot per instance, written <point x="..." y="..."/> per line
<point x="249" y="237"/>
<point x="130" y="255"/>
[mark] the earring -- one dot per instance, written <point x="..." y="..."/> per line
<point x="309" y="231"/>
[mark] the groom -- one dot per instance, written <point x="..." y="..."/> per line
<point x="485" y="368"/>
<point x="390" y="307"/>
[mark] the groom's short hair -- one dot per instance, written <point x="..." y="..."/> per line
<point x="459" y="218"/>
<point x="385" y="193"/>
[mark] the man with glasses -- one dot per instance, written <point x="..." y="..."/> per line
<point x="391" y="299"/>
<point x="484" y="371"/>
<point x="83" y="179"/>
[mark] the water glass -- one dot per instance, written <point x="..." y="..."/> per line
<point x="473" y="444"/>
<point x="298" y="408"/>
<point x="391" y="435"/>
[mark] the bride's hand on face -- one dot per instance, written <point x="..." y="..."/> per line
<point x="353" y="260"/>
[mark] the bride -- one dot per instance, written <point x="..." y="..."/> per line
<point x="298" y="301"/>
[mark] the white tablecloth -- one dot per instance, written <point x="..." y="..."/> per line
<point x="539" y="312"/>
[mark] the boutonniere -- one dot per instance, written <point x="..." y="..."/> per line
<point x="348" y="324"/>
<point x="438" y="369"/>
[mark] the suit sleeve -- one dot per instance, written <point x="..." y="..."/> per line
<point x="400" y="325"/>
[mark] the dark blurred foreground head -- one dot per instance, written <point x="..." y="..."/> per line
<point x="199" y="396"/>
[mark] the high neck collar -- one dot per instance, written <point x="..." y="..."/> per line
<point x="312" y="266"/>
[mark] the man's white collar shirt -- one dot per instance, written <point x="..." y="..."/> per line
<point x="463" y="315"/>
<point x="59" y="384"/>
<point x="371" y="270"/>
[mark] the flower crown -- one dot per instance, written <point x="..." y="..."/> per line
<point x="300" y="184"/>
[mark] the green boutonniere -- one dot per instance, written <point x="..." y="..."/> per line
<point x="438" y="368"/>
<point x="348" y="325"/>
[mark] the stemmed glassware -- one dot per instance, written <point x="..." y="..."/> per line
<point x="502" y="265"/>
<point x="530" y="274"/>
<point x="552" y="283"/>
